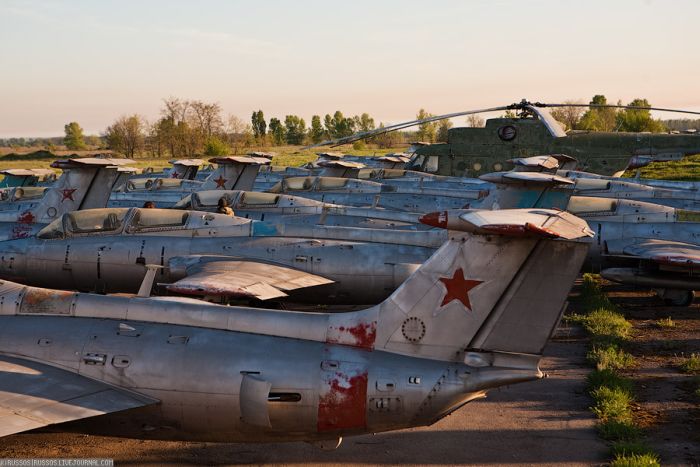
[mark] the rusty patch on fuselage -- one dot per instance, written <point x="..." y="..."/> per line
<point x="342" y="404"/>
<point x="360" y="335"/>
<point x="43" y="301"/>
<point x="23" y="227"/>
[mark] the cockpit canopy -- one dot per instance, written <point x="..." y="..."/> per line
<point x="23" y="193"/>
<point x="131" y="220"/>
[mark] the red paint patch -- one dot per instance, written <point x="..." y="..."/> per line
<point x="360" y="335"/>
<point x="435" y="219"/>
<point x="343" y="402"/>
<point x="26" y="218"/>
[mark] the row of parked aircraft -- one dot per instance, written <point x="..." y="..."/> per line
<point x="118" y="319"/>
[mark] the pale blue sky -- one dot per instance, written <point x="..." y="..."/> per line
<point x="92" y="61"/>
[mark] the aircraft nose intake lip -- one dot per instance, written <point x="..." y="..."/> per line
<point x="435" y="219"/>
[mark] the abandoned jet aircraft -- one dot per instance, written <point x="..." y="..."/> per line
<point x="474" y="317"/>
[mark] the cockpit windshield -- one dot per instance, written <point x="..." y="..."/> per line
<point x="95" y="220"/>
<point x="158" y="219"/>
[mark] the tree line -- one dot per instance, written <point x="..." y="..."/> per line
<point x="188" y="128"/>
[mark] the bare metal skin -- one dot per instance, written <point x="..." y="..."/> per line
<point x="475" y="316"/>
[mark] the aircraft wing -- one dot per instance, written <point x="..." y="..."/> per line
<point x="224" y="276"/>
<point x="666" y="252"/>
<point x="33" y="395"/>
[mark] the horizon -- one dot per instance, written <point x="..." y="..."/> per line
<point x="312" y="58"/>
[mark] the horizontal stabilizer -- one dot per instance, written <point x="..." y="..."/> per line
<point x="544" y="223"/>
<point x="223" y="276"/>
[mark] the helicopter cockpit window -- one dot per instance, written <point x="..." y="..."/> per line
<point x="148" y="219"/>
<point x="332" y="183"/>
<point x="254" y="198"/>
<point x="416" y="162"/>
<point x="95" y="220"/>
<point x="431" y="166"/>
<point x="53" y="231"/>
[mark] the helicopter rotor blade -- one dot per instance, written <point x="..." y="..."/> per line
<point x="400" y="126"/>
<point x="614" y="106"/>
<point x="552" y="125"/>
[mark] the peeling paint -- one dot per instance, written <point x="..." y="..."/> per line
<point x="360" y="335"/>
<point x="342" y="403"/>
<point x="46" y="301"/>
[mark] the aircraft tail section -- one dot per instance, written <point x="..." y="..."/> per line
<point x="234" y="173"/>
<point x="501" y="287"/>
<point x="85" y="183"/>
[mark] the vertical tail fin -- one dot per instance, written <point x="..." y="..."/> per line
<point x="234" y="173"/>
<point x="85" y="183"/>
<point x="500" y="288"/>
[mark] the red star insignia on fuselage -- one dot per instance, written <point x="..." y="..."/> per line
<point x="220" y="182"/>
<point x="67" y="193"/>
<point x="457" y="288"/>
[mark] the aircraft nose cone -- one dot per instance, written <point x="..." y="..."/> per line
<point x="435" y="219"/>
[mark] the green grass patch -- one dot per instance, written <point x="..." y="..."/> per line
<point x="629" y="448"/>
<point x="636" y="460"/>
<point x="665" y="323"/>
<point x="691" y="364"/>
<point x="606" y="326"/>
<point x="610" y="357"/>
<point x="592" y="296"/>
<point x="612" y="404"/>
<point x="608" y="378"/>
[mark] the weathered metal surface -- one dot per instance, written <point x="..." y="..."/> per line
<point x="33" y="395"/>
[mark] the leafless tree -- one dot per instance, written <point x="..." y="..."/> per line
<point x="474" y="121"/>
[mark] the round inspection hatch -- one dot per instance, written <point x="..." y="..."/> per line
<point x="413" y="329"/>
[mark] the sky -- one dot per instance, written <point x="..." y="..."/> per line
<point x="93" y="61"/>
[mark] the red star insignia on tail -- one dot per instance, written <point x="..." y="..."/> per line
<point x="457" y="288"/>
<point x="220" y="182"/>
<point x="68" y="194"/>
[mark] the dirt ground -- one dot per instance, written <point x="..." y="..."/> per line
<point x="543" y="422"/>
<point x="666" y="404"/>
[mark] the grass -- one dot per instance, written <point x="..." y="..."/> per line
<point x="691" y="364"/>
<point x="636" y="460"/>
<point x="30" y="158"/>
<point x="687" y="169"/>
<point x="665" y="323"/>
<point x="610" y="357"/>
<point x="612" y="394"/>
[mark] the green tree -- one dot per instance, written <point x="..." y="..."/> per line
<point x="389" y="139"/>
<point x="443" y="127"/>
<point x="126" y="135"/>
<point x="638" y="119"/>
<point x="316" y="132"/>
<point x="364" y="122"/>
<point x="278" y="132"/>
<point x="259" y="125"/>
<point x="74" y="137"/>
<point x="598" y="119"/>
<point x="338" y="126"/>
<point x="216" y="147"/>
<point x="426" y="131"/>
<point x="568" y="116"/>
<point x="295" y="128"/>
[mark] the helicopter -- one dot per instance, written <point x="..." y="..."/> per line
<point x="470" y="152"/>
